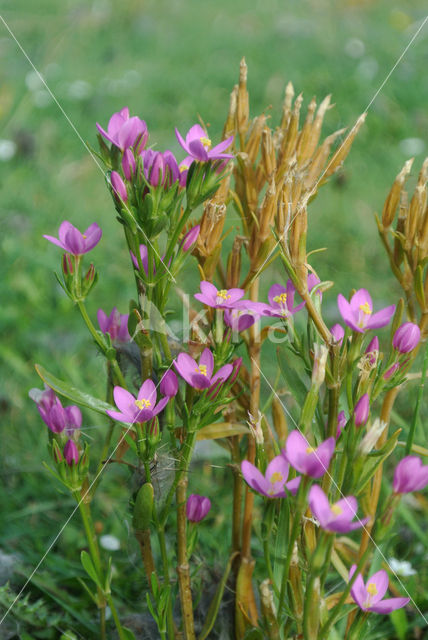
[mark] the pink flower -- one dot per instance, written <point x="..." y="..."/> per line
<point x="128" y="164"/>
<point x="198" y="145"/>
<point x="169" y="384"/>
<point x="358" y="313"/>
<point x="361" y="410"/>
<point x="55" y="416"/>
<point x="218" y="298"/>
<point x="116" y="325"/>
<point x="310" y="461"/>
<point x="197" y="507"/>
<point x="238" y="319"/>
<point x="125" y="132"/>
<point x="190" y="238"/>
<point x="281" y="301"/>
<point x="140" y="409"/>
<point x="200" y="376"/>
<point x="407" y="337"/>
<point x="272" y="483"/>
<point x="75" y="242"/>
<point x="118" y="186"/>
<point x="369" y="596"/>
<point x="338" y="517"/>
<point x="160" y="167"/>
<point x="410" y="475"/>
<point x="390" y="372"/>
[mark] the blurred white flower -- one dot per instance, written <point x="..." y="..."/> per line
<point x="401" y="567"/>
<point x="109" y="542"/>
<point x="412" y="146"/>
<point x="33" y="81"/>
<point x="79" y="90"/>
<point x="7" y="149"/>
<point x="355" y="48"/>
<point x="368" y="68"/>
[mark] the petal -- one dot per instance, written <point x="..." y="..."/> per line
<point x="348" y="507"/>
<point x="148" y="392"/>
<point x="64" y="228"/>
<point x="360" y="297"/>
<point x="389" y="605"/>
<point x="207" y="360"/>
<point x="293" y="485"/>
<point x="223" y="373"/>
<point x="119" y="416"/>
<point x="181" y="141"/>
<point x="195" y="133"/>
<point x="125" y="401"/>
<point x="295" y="449"/>
<point x="254" y="477"/>
<point x="199" y="381"/>
<point x="160" y="405"/>
<point x="209" y="290"/>
<point x="56" y="241"/>
<point x="75" y="242"/>
<point x="222" y="146"/>
<point x="347" y="313"/>
<point x="358" y="589"/>
<point x="381" y="318"/>
<point x="274" y="291"/>
<point x="380" y="579"/>
<point x="102" y="320"/>
<point x="93" y="236"/>
<point x="319" y="505"/>
<point x="198" y="151"/>
<point x="278" y="465"/>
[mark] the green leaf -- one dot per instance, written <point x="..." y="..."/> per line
<point x="90" y="569"/>
<point x="143" y="507"/>
<point x="399" y="620"/>
<point x="73" y="394"/>
<point x="216" y="601"/>
<point x="127" y="633"/>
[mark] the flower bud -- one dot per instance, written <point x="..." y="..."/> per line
<point x="337" y="331"/>
<point x="361" y="410"/>
<point x="71" y="452"/>
<point x="236" y="367"/>
<point x="341" y="422"/>
<point x="372" y="436"/>
<point x="128" y="164"/>
<point x="169" y="384"/>
<point x="190" y="238"/>
<point x="407" y="337"/>
<point x="197" y="507"/>
<point x="410" y="475"/>
<point x="320" y="359"/>
<point x="390" y="372"/>
<point x="67" y="265"/>
<point x="118" y="186"/>
<point x="373" y="350"/>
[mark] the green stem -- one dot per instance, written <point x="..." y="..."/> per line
<point x="412" y="430"/>
<point x="116" y="369"/>
<point x="187" y="450"/>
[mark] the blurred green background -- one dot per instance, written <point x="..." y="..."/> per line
<point x="169" y="62"/>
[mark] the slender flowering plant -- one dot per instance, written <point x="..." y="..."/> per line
<point x="302" y="413"/>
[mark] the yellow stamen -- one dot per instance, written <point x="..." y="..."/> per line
<point x="83" y="236"/>
<point x="222" y="293"/>
<point x="365" y="308"/>
<point x="183" y="168"/>
<point x="143" y="403"/>
<point x="276" y="477"/>
<point x="336" y="510"/>
<point x="206" y="142"/>
<point x="310" y="450"/>
<point x="372" y="589"/>
<point x="202" y="369"/>
<point x="281" y="299"/>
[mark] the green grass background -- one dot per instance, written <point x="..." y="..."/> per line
<point x="169" y="62"/>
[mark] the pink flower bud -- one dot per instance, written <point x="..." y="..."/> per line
<point x="373" y="350"/>
<point x="67" y="265"/>
<point x="341" y="422"/>
<point x="118" y="186"/>
<point x="361" y="410"/>
<point x="71" y="452"/>
<point x="169" y="384"/>
<point x="128" y="164"/>
<point x="407" y="337"/>
<point x="236" y="364"/>
<point x="390" y="372"/>
<point x="410" y="475"/>
<point x="197" y="507"/>
<point x="190" y="238"/>
<point x="337" y="331"/>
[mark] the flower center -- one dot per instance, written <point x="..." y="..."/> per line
<point x="281" y="299"/>
<point x="310" y="450"/>
<point x="83" y="236"/>
<point x="206" y="142"/>
<point x="372" y="589"/>
<point x="336" y="510"/>
<point x="365" y="311"/>
<point x="276" y="477"/>
<point x="183" y="167"/>
<point x="222" y="293"/>
<point x="202" y="369"/>
<point x="143" y="403"/>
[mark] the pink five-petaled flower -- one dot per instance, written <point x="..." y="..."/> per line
<point x="410" y="475"/>
<point x="358" y="313"/>
<point x="272" y="483"/>
<point x="281" y="301"/>
<point x="200" y="376"/>
<point x="308" y="460"/>
<point x="369" y="596"/>
<point x="407" y="337"/>
<point x="116" y="325"/>
<point x="337" y="517"/>
<point x="197" y="507"/>
<point x="55" y="416"/>
<point x="72" y="240"/>
<point x="218" y="298"/>
<point x="125" y="132"/>
<point x="198" y="145"/>
<point x="140" y="409"/>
